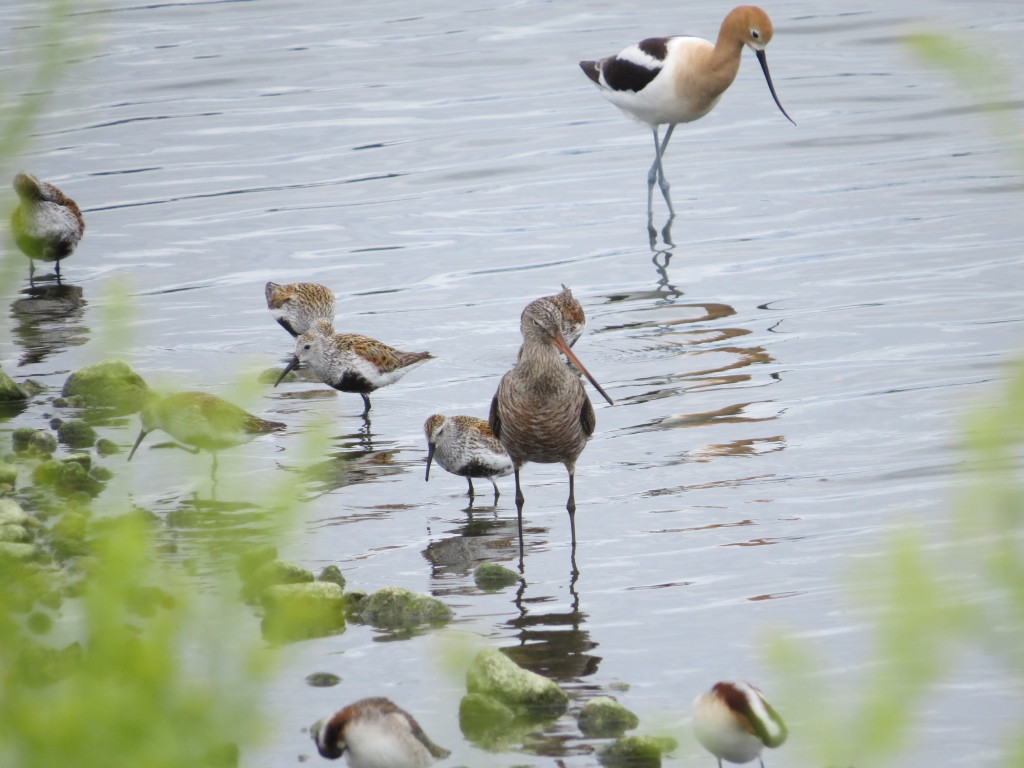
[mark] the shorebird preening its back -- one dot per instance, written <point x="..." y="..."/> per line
<point x="735" y="723"/>
<point x="376" y="733"/>
<point x="541" y="412"/>
<point x="201" y="421"/>
<point x="672" y="80"/>
<point x="465" y="446"/>
<point x="47" y="224"/>
<point x="297" y="306"/>
<point x="350" y="362"/>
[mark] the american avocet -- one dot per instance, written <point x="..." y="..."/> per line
<point x="350" y="362"/>
<point x="376" y="733"/>
<point x="296" y="306"/>
<point x="541" y="411"/>
<point x="735" y="723"/>
<point x="203" y="421"/>
<point x="47" y="224"/>
<point x="465" y="446"/>
<point x="672" y="80"/>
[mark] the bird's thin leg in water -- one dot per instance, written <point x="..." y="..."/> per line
<point x="657" y="172"/>
<point x="472" y="492"/>
<point x="366" y="403"/>
<point x="520" y="499"/>
<point x="497" y="493"/>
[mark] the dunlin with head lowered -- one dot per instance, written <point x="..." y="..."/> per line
<point x="672" y="80"/>
<point x="350" y="362"/>
<point x="47" y="224"/>
<point x="202" y="421"/>
<point x="375" y="733"/>
<point x="465" y="446"/>
<point x="296" y="306"/>
<point x="541" y="411"/>
<point x="735" y="723"/>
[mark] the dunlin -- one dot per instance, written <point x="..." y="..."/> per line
<point x="350" y="362"/>
<point x="47" y="224"/>
<point x="296" y="306"/>
<point x="465" y="446"/>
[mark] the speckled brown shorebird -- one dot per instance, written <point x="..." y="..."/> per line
<point x="202" y="421"/>
<point x="350" y="362"/>
<point x="296" y="306"/>
<point x="375" y="733"/>
<point x="465" y="446"/>
<point x="735" y="723"/>
<point x="541" y="412"/>
<point x="47" y="224"/>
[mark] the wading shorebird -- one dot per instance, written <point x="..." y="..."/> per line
<point x="376" y="733"/>
<point x="203" y="421"/>
<point x="47" y="224"/>
<point x="296" y="306"/>
<point x="541" y="412"/>
<point x="735" y="723"/>
<point x="350" y="362"/>
<point x="672" y="80"/>
<point x="465" y="446"/>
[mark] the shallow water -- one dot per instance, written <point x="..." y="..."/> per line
<point x="789" y="375"/>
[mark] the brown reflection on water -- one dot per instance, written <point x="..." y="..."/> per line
<point x="730" y="414"/>
<point x="47" y="320"/>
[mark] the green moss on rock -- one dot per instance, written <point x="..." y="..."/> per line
<point x="400" y="608"/>
<point x="108" y="384"/>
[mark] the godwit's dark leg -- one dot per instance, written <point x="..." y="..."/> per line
<point x="520" y="499"/>
<point x="58" y="271"/>
<point x="366" y="403"/>
<point x="31" y="273"/>
<point x="571" y="503"/>
<point x="472" y="493"/>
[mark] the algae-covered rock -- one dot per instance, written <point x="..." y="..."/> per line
<point x="79" y="458"/>
<point x="11" y="513"/>
<point x="491" y="576"/>
<point x="485" y="720"/>
<point x="302" y="611"/>
<point x="108" y="384"/>
<point x="493" y="674"/>
<point x="252" y="558"/>
<point x="604" y="717"/>
<point x="45" y="473"/>
<point x="76" y="434"/>
<point x="20" y="437"/>
<point x="273" y="573"/>
<point x="17" y="551"/>
<point x="9" y="389"/>
<point x="42" y="442"/>
<point x="72" y="478"/>
<point x="106" y="447"/>
<point x="636" y="752"/>
<point x="15" y="533"/>
<point x="400" y="608"/>
<point x="332" y="573"/>
<point x="8" y="474"/>
<point x="322" y="679"/>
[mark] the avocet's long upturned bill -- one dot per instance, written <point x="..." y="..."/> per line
<point x="672" y="80"/>
<point x="735" y="723"/>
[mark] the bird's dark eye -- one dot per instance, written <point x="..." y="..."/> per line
<point x="305" y="346"/>
<point x="755" y="34"/>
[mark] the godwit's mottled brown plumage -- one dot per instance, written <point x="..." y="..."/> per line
<point x="735" y="723"/>
<point x="203" y="421"/>
<point x="350" y="362"/>
<point x="296" y="306"/>
<point x="465" y="446"/>
<point x="47" y="224"/>
<point x="541" y="411"/>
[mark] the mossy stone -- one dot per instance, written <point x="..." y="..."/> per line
<point x="20" y="437"/>
<point x="636" y="752"/>
<point x="273" y="573"/>
<point x="400" y="608"/>
<point x="604" y="717"/>
<point x="106" y="447"/>
<point x="76" y="434"/>
<point x="8" y="474"/>
<point x="42" y="442"/>
<point x="491" y="576"/>
<point x="332" y="574"/>
<point x="300" y="611"/>
<point x="494" y="674"/>
<point x="108" y="384"/>
<point x="9" y="389"/>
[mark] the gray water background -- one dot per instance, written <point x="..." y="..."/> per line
<point x="789" y="377"/>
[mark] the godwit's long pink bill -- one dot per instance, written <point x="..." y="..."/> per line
<point x="672" y="80"/>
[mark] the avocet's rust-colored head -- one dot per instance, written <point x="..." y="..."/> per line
<point x="751" y="26"/>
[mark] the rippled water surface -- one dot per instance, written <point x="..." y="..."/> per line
<point x="789" y="372"/>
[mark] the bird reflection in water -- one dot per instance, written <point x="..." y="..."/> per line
<point x="47" y="320"/>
